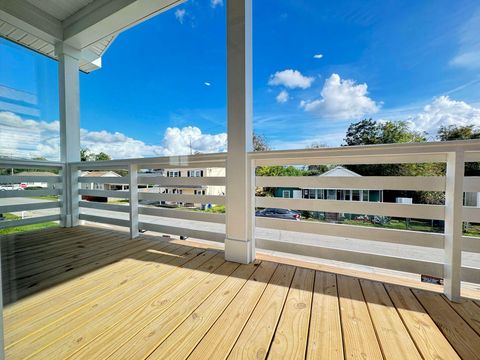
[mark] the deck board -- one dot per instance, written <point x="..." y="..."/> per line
<point x="92" y="293"/>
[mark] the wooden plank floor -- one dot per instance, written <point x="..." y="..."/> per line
<point x="92" y="293"/>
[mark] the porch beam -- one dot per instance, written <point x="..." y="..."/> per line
<point x="240" y="215"/>
<point x="32" y="20"/>
<point x="102" y="18"/>
<point x="69" y="101"/>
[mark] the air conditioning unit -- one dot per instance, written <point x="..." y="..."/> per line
<point x="403" y="200"/>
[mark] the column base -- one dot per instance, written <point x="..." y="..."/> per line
<point x="239" y="251"/>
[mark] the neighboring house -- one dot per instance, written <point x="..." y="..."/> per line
<point x="331" y="193"/>
<point x="288" y="192"/>
<point x="342" y="194"/>
<point x="193" y="189"/>
<point x="33" y="183"/>
<point x="100" y="186"/>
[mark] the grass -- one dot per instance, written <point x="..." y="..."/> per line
<point x="117" y="201"/>
<point x="23" y="228"/>
<point x="46" y="197"/>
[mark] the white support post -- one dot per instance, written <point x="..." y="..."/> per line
<point x="240" y="217"/>
<point x="453" y="224"/>
<point x="133" y="199"/>
<point x="69" y="99"/>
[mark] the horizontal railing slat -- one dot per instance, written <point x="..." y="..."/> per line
<point x="104" y="206"/>
<point x="182" y="181"/>
<point x="354" y="257"/>
<point x="29" y="207"/>
<point x="104" y="193"/>
<point x="197" y="160"/>
<point x="415" y="183"/>
<point x="185" y="215"/>
<point x="404" y="237"/>
<point x="17" y="179"/>
<point x="416" y="211"/>
<point x="29" y="164"/>
<point x="471" y="244"/>
<point x="29" y="193"/>
<point x="471" y="214"/>
<point x="470" y="274"/>
<point x="471" y="184"/>
<point x="29" y="221"/>
<point x="195" y="199"/>
<point x="104" y="220"/>
<point x="197" y="234"/>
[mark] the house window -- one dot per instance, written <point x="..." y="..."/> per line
<point x="320" y="194"/>
<point x="195" y="173"/>
<point x="173" y="173"/>
<point x="355" y="195"/>
<point x="332" y="194"/>
<point x="365" y="195"/>
<point x="312" y="194"/>
<point x="199" y="192"/>
<point x="286" y="193"/>
<point x="346" y="194"/>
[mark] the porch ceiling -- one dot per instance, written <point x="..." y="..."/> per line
<point x="87" y="25"/>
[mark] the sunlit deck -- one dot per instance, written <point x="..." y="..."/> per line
<point x="92" y="293"/>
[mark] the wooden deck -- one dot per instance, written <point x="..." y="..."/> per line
<point x="91" y="293"/>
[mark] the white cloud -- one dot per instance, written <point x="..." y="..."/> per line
<point x="180" y="15"/>
<point x="342" y="99"/>
<point x="282" y="97"/>
<point x="206" y="83"/>
<point x="444" y="111"/>
<point x="468" y="54"/>
<point x="29" y="138"/>
<point x="318" y="56"/>
<point x="215" y="3"/>
<point x="291" y="79"/>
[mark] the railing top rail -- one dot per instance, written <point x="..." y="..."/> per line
<point x="20" y="164"/>
<point x="433" y="148"/>
<point x="181" y="161"/>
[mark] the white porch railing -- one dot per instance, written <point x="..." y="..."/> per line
<point x="45" y="211"/>
<point x="211" y="226"/>
<point x="454" y="184"/>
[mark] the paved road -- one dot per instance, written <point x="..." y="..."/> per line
<point x="414" y="252"/>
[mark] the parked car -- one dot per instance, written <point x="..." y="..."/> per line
<point x="278" y="213"/>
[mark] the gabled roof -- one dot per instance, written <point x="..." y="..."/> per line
<point x="100" y="174"/>
<point x="36" y="173"/>
<point x="340" y="171"/>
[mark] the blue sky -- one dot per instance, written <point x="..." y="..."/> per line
<point x="390" y="60"/>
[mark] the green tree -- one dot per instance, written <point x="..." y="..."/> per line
<point x="101" y="156"/>
<point x="365" y="132"/>
<point x="469" y="132"/>
<point x="87" y="155"/>
<point x="454" y="132"/>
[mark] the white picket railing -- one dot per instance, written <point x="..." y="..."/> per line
<point x="135" y="216"/>
<point x="210" y="226"/>
<point x="454" y="184"/>
<point x="10" y="184"/>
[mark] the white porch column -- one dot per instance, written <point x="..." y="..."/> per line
<point x="69" y="99"/>
<point x="240" y="240"/>
<point x="453" y="224"/>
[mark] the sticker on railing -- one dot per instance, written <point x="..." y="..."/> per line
<point x="431" y="279"/>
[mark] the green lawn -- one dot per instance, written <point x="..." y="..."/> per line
<point x="46" y="197"/>
<point x="31" y="227"/>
